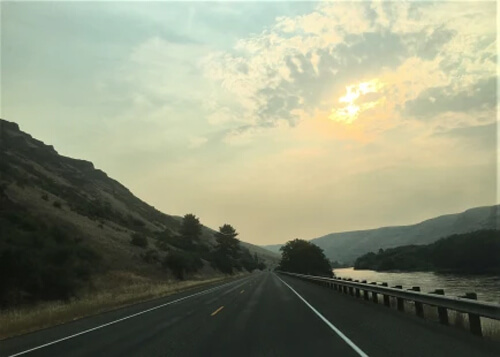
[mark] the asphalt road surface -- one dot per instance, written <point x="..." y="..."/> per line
<point x="264" y="314"/>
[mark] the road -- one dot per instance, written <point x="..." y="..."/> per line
<point x="260" y="315"/>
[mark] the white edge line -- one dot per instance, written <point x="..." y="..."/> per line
<point x="119" y="320"/>
<point x="336" y="330"/>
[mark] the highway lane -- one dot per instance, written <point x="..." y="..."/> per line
<point x="259" y="315"/>
<point x="380" y="331"/>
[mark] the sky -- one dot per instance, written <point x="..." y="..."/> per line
<point x="284" y="119"/>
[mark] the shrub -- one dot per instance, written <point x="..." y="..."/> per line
<point x="151" y="256"/>
<point x="248" y="261"/>
<point x="223" y="262"/>
<point x="165" y="239"/>
<point x="182" y="262"/>
<point x="139" y="240"/>
<point x="40" y="261"/>
<point x="57" y="204"/>
<point x="45" y="197"/>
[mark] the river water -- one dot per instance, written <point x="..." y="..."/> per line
<point x="487" y="288"/>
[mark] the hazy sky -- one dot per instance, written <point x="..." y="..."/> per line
<point x="284" y="119"/>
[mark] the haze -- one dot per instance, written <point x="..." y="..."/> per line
<point x="283" y="119"/>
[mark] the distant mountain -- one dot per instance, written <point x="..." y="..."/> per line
<point x="346" y="247"/>
<point x="60" y="207"/>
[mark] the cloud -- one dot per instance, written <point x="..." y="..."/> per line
<point x="304" y="63"/>
<point x="483" y="137"/>
<point x="436" y="100"/>
<point x="429" y="45"/>
<point x="197" y="141"/>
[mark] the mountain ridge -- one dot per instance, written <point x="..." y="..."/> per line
<point x="346" y="246"/>
<point x="101" y="211"/>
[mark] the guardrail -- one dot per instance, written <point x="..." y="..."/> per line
<point x="466" y="304"/>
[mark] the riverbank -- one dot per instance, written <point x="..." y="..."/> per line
<point x="433" y="270"/>
<point x="487" y="289"/>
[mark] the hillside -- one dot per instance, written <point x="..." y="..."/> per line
<point x="347" y="246"/>
<point x="469" y="253"/>
<point x="64" y="213"/>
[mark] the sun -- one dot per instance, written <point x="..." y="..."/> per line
<point x="350" y="111"/>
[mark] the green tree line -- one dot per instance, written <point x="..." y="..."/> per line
<point x="186" y="251"/>
<point x="475" y="252"/>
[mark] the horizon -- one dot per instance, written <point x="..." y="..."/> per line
<point x="283" y="127"/>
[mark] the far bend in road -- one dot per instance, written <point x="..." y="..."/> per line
<point x="257" y="316"/>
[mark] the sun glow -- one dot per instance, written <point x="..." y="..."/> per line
<point x="350" y="112"/>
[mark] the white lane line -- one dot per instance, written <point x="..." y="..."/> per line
<point x="336" y="330"/>
<point x="119" y="320"/>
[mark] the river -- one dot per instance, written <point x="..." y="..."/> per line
<point x="487" y="288"/>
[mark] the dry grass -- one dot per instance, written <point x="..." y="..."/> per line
<point x="112" y="291"/>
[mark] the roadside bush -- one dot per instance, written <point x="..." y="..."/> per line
<point x="182" y="263"/>
<point x="40" y="261"/>
<point x="222" y="263"/>
<point x="166" y="239"/>
<point x="151" y="256"/>
<point x="139" y="240"/>
<point x="248" y="261"/>
<point x="163" y="239"/>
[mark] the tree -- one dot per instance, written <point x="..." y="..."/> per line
<point x="190" y="228"/>
<point x="303" y="257"/>
<point x="227" y="249"/>
<point x="227" y="241"/>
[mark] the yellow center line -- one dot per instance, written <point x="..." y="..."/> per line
<point x="242" y="291"/>
<point x="216" y="311"/>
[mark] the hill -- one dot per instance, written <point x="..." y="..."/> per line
<point x="64" y="222"/>
<point x="470" y="253"/>
<point x="347" y="246"/>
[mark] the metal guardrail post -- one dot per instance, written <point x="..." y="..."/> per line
<point x="387" y="300"/>
<point x="374" y="294"/>
<point x="419" y="308"/>
<point x="442" y="311"/>
<point x="400" y="301"/>
<point x="474" y="320"/>
<point x="365" y="292"/>
<point x="351" y="289"/>
<point x="358" y="292"/>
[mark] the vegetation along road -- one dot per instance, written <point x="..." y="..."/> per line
<point x="264" y="314"/>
